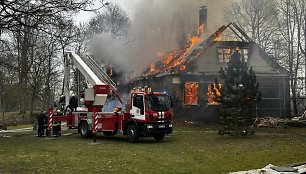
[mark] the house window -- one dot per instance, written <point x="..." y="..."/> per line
<point x="211" y="96"/>
<point x="245" y="54"/>
<point x="191" y="93"/>
<point x="224" y="54"/>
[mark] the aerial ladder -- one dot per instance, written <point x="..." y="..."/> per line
<point x="96" y="68"/>
<point x="99" y="82"/>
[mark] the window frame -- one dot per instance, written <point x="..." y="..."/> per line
<point x="224" y="54"/>
<point x="211" y="96"/>
<point x="192" y="96"/>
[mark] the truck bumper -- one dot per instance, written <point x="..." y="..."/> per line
<point x="156" y="128"/>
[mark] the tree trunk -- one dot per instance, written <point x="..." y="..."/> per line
<point x="32" y="103"/>
<point x="24" y="73"/>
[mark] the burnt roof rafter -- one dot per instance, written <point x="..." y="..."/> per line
<point x="237" y="34"/>
<point x="240" y="31"/>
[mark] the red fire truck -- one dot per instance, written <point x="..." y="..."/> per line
<point x="146" y="114"/>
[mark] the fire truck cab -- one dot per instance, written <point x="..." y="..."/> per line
<point x="151" y="114"/>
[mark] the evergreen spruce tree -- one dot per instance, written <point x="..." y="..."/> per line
<point x="238" y="96"/>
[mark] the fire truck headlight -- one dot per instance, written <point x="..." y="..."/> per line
<point x="155" y="115"/>
<point x="149" y="126"/>
<point x="170" y="125"/>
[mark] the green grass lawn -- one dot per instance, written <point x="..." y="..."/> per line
<point x="19" y="126"/>
<point x="190" y="149"/>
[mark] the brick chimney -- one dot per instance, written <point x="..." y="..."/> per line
<point x="203" y="16"/>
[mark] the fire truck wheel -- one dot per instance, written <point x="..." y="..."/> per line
<point x="159" y="136"/>
<point x="84" y="130"/>
<point x="132" y="133"/>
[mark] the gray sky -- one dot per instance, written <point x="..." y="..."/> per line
<point x="127" y="5"/>
<point x="133" y="7"/>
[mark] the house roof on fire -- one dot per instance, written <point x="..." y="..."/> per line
<point x="180" y="60"/>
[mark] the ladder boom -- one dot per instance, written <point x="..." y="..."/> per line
<point x="86" y="71"/>
<point x="103" y="76"/>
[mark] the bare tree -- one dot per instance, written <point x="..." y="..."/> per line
<point x="81" y="38"/>
<point x="8" y="71"/>
<point x="50" y="69"/>
<point x="36" y="76"/>
<point x="292" y="60"/>
<point x="31" y="34"/>
<point x="277" y="26"/>
<point x="12" y="12"/>
<point x="255" y="17"/>
<point x="299" y="13"/>
<point x="24" y="44"/>
<point x="114" y="21"/>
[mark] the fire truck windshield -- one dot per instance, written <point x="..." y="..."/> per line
<point x="158" y="102"/>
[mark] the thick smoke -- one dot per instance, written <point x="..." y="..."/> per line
<point x="159" y="25"/>
<point x="109" y="50"/>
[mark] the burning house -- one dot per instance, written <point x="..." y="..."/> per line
<point x="187" y="74"/>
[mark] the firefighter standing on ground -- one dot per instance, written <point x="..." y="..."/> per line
<point x="41" y="121"/>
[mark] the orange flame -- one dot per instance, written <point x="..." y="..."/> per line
<point x="177" y="58"/>
<point x="110" y="70"/>
<point x="211" y="96"/>
<point x="217" y="35"/>
<point x="193" y="40"/>
<point x="217" y="38"/>
<point x="183" y="67"/>
<point x="152" y="67"/>
<point x="168" y="58"/>
<point x="191" y="93"/>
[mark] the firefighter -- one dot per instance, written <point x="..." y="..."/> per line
<point x="41" y="121"/>
<point x="56" y="128"/>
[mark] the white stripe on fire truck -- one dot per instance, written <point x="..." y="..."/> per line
<point x="96" y="122"/>
<point x="50" y="122"/>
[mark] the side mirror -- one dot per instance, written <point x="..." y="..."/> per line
<point x="171" y="102"/>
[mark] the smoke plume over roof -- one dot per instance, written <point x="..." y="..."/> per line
<point x="159" y="26"/>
